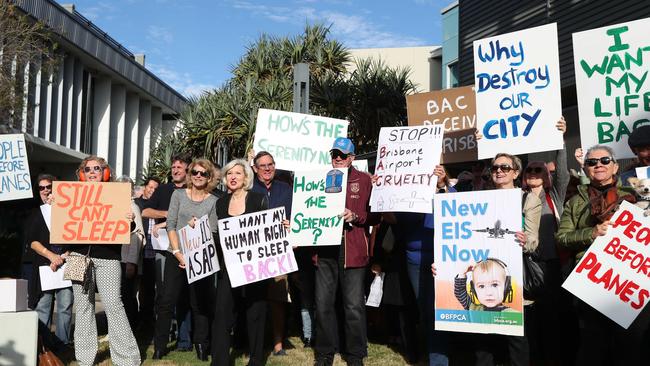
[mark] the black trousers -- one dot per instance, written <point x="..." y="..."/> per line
<point x="330" y="274"/>
<point x="231" y="303"/>
<point x="489" y="346"/>
<point x="129" y="296"/>
<point x="603" y="342"/>
<point x="175" y="288"/>
<point x="147" y="293"/>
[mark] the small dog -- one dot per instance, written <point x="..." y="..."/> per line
<point x="642" y="188"/>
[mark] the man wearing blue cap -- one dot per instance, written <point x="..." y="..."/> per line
<point x="345" y="266"/>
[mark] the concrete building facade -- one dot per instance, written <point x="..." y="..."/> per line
<point x="424" y="63"/>
<point x="100" y="100"/>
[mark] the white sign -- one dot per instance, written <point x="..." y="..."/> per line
<point x="317" y="207"/>
<point x="15" y="182"/>
<point x="611" y="65"/>
<point x="478" y="261"/>
<point x="360" y="165"/>
<point x="198" y="249"/>
<point x="642" y="172"/>
<point x="297" y="141"/>
<point x="517" y="83"/>
<point x="256" y="247"/>
<point x="52" y="280"/>
<point x="612" y="275"/>
<point x="406" y="159"/>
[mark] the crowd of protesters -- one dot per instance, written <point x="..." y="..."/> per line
<point x="144" y="287"/>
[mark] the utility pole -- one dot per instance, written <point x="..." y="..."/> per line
<point x="301" y="88"/>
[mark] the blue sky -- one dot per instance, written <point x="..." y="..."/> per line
<point x="192" y="44"/>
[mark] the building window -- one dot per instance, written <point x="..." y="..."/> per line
<point x="452" y="75"/>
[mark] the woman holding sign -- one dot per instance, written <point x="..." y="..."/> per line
<point x="586" y="216"/>
<point x="107" y="276"/>
<point x="185" y="207"/>
<point x="251" y="298"/>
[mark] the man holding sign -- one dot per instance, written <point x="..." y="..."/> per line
<point x="587" y="217"/>
<point x="345" y="265"/>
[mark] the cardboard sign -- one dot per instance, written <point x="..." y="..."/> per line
<point x="90" y="213"/>
<point x="478" y="261"/>
<point x="612" y="276"/>
<point x="406" y="158"/>
<point x="297" y="141"/>
<point x="317" y="207"/>
<point x="611" y="65"/>
<point x="256" y="247"/>
<point x="518" y="102"/>
<point x="15" y="182"/>
<point x="455" y="109"/>
<point x="198" y="249"/>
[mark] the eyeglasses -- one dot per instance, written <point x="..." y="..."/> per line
<point x="534" y="170"/>
<point x="203" y="174"/>
<point x="605" y="160"/>
<point x="336" y="154"/>
<point x="42" y="188"/>
<point x="504" y="168"/>
<point x="96" y="169"/>
<point x="266" y="166"/>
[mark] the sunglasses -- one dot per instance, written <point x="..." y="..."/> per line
<point x="504" y="168"/>
<point x="605" y="160"/>
<point x="336" y="154"/>
<point x="535" y="170"/>
<point x="42" y="188"/>
<point x="96" y="169"/>
<point x="266" y="166"/>
<point x="203" y="174"/>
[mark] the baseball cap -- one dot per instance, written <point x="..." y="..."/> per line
<point x="344" y="145"/>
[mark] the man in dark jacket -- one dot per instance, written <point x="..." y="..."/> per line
<point x="639" y="142"/>
<point x="345" y="266"/>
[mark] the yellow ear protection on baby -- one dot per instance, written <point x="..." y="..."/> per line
<point x="508" y="289"/>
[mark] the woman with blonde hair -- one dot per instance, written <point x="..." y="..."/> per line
<point x="185" y="207"/>
<point x="251" y="298"/>
<point x="107" y="279"/>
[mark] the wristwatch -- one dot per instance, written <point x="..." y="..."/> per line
<point x="175" y="251"/>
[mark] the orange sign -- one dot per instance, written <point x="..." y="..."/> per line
<point x="90" y="213"/>
<point x="456" y="110"/>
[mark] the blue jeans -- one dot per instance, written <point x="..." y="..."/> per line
<point x="63" y="311"/>
<point x="422" y="282"/>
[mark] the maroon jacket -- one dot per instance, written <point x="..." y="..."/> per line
<point x="357" y="237"/>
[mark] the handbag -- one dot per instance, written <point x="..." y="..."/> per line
<point x="48" y="358"/>
<point x="79" y="268"/>
<point x="533" y="277"/>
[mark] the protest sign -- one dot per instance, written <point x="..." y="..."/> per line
<point x="479" y="264"/>
<point x="90" y="213"/>
<point x="198" y="249"/>
<point x="318" y="205"/>
<point x="612" y="276"/>
<point x="613" y="96"/>
<point x="256" y="247"/>
<point x="642" y="172"/>
<point x="518" y="102"/>
<point x="297" y="141"/>
<point x="455" y="109"/>
<point x="360" y="165"/>
<point x="160" y="242"/>
<point x="406" y="158"/>
<point x="15" y="182"/>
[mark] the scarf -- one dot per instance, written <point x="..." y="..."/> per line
<point x="604" y="201"/>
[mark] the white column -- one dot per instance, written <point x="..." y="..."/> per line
<point x="116" y="144"/>
<point x="101" y="117"/>
<point x="131" y="135"/>
<point x="58" y="99"/>
<point x="48" y="105"/>
<point x="23" y="117"/>
<point x="144" y="135"/>
<point x="156" y="126"/>
<point x="68" y="92"/>
<point x="77" y="90"/>
<point x="37" y="96"/>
